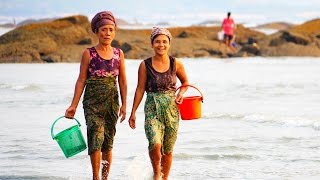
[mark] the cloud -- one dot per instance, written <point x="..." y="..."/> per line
<point x="309" y="15"/>
<point x="252" y="2"/>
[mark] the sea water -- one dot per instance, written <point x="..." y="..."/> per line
<point x="4" y="30"/>
<point x="261" y="120"/>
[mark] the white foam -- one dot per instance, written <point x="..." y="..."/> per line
<point x="282" y="120"/>
<point x="20" y="86"/>
<point x="140" y="168"/>
<point x="271" y="119"/>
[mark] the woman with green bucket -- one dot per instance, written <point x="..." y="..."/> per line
<point x="157" y="76"/>
<point x="102" y="66"/>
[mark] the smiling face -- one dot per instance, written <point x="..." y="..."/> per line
<point x="106" y="34"/>
<point x="161" y="44"/>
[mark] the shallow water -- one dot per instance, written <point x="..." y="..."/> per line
<point x="261" y="120"/>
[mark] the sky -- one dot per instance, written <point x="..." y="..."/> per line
<point x="179" y="12"/>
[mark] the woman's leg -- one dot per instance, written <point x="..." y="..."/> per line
<point x="155" y="157"/>
<point x="166" y="161"/>
<point x="106" y="164"/>
<point x="95" y="163"/>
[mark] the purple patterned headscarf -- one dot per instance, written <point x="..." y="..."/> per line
<point x="156" y="31"/>
<point x="101" y="19"/>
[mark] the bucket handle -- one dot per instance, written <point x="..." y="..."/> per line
<point x="193" y="87"/>
<point x="52" y="135"/>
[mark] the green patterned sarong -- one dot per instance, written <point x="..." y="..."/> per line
<point x="161" y="120"/>
<point x="101" y="107"/>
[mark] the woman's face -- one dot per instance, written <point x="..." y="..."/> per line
<point x="161" y="44"/>
<point x="106" y="34"/>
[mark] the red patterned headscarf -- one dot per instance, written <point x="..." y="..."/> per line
<point x="101" y="19"/>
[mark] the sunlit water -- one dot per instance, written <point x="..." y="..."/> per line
<point x="261" y="120"/>
<point x="4" y="30"/>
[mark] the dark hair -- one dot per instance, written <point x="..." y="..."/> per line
<point x="229" y="13"/>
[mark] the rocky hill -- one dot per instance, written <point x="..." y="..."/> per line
<point x="63" y="40"/>
<point x="300" y="40"/>
<point x="56" y="41"/>
<point x="276" y="25"/>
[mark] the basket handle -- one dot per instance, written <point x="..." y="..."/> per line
<point x="193" y="87"/>
<point x="52" y="135"/>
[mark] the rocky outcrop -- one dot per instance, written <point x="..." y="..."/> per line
<point x="194" y="41"/>
<point x="63" y="40"/>
<point x="299" y="40"/>
<point x="56" y="41"/>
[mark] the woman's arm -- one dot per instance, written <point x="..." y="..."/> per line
<point x="141" y="86"/>
<point x="80" y="84"/>
<point x="182" y="76"/>
<point x="122" y="79"/>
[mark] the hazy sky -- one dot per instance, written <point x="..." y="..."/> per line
<point x="173" y="11"/>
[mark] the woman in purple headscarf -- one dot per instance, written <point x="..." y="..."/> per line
<point x="102" y="69"/>
<point x="157" y="76"/>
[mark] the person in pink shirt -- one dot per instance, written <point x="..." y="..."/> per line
<point x="228" y="27"/>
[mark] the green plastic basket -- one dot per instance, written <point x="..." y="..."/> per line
<point x="70" y="140"/>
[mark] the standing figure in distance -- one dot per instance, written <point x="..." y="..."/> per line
<point x="157" y="77"/>
<point x="102" y="68"/>
<point x="228" y="27"/>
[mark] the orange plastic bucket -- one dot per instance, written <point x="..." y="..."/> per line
<point x="190" y="108"/>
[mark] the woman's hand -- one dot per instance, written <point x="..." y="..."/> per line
<point x="132" y="121"/>
<point x="122" y="113"/>
<point x="179" y="99"/>
<point x="70" y="112"/>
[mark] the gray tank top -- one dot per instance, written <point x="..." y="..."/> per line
<point x="161" y="81"/>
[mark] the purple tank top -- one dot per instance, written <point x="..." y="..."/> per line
<point x="99" y="67"/>
<point x="157" y="81"/>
